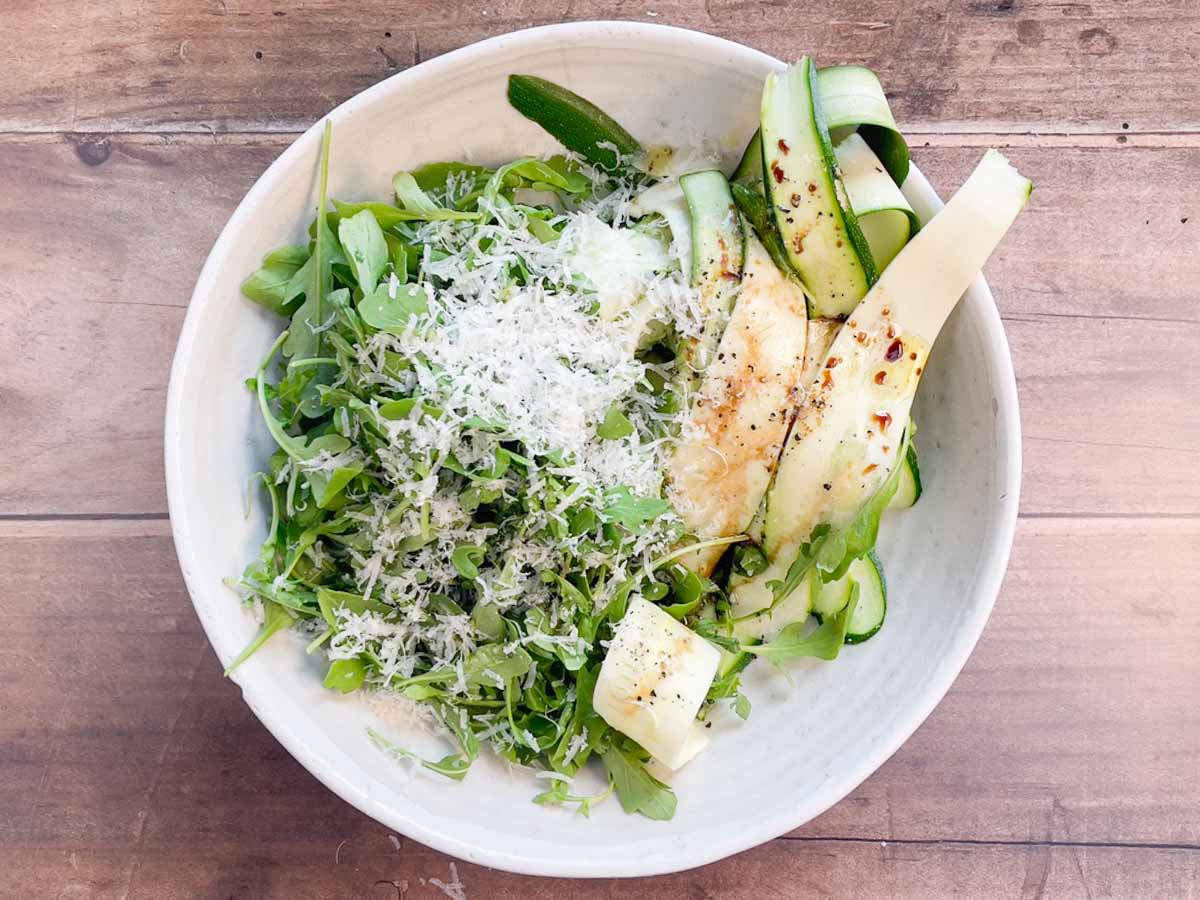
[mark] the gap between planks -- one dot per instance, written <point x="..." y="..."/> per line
<point x="967" y="842"/>
<point x="1104" y="140"/>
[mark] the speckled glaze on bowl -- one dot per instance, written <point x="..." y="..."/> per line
<point x="805" y="747"/>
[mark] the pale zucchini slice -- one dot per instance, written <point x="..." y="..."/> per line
<point x="849" y="436"/>
<point x="738" y="420"/>
<point x="884" y="213"/>
<point x="653" y="680"/>
<point x="820" y="233"/>
<point x="718" y="252"/>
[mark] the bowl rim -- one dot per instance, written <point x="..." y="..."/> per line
<point x="989" y="574"/>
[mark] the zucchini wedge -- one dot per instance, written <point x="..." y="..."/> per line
<point x="821" y="235"/>
<point x="853" y="430"/>
<point x="739" y="418"/>
<point x="576" y="123"/>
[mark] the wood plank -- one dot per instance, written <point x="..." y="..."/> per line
<point x="1100" y="314"/>
<point x="1073" y="722"/>
<point x="369" y="867"/>
<point x="254" y="65"/>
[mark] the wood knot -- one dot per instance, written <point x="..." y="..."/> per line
<point x="92" y="150"/>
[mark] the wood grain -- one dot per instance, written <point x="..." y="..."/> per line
<point x="230" y="65"/>
<point x="1067" y="741"/>
<point x="1064" y="763"/>
<point x="108" y="235"/>
<point x="369" y="867"/>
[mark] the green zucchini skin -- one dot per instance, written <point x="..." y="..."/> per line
<point x="750" y="168"/>
<point x="757" y="211"/>
<point x="852" y="97"/>
<point x="909" y="490"/>
<point x="832" y="597"/>
<point x="718" y="254"/>
<point x="576" y="123"/>
<point x="820" y="233"/>
<point x="871" y="610"/>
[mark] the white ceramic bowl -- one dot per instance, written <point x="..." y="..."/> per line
<point x="804" y="748"/>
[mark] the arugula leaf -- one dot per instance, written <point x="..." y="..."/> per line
<point x="277" y="618"/>
<point x="269" y="285"/>
<point x="749" y="560"/>
<point x="362" y="240"/>
<point x="453" y="766"/>
<point x="625" y="508"/>
<point x="346" y="675"/>
<point x="637" y="789"/>
<point x="554" y="174"/>
<point x="382" y="311"/>
<point x="487" y="620"/>
<point x="805" y="558"/>
<point x="616" y="425"/>
<point x="830" y="550"/>
<point x="302" y="340"/>
<point x="844" y="545"/>
<point x="741" y="706"/>
<point x="389" y="216"/>
<point x="435" y="176"/>
<point x="330" y="601"/>
<point x="824" y="642"/>
<point x="418" y="204"/>
<point x="466" y="560"/>
<point x="493" y="659"/>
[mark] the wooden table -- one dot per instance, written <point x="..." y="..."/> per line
<point x="1065" y="762"/>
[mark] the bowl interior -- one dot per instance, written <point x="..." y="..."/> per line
<point x="804" y="747"/>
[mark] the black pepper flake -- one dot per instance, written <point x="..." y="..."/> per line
<point x="827" y="486"/>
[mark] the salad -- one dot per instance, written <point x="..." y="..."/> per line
<point x="564" y="445"/>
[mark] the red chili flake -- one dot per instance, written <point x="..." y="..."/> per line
<point x="853" y="324"/>
<point x="732" y="276"/>
<point x="832" y="362"/>
<point x="919" y="370"/>
<point x="913" y="355"/>
<point x="884" y="419"/>
<point x="796" y="198"/>
<point x="798" y="243"/>
<point x="880" y="377"/>
<point x="869" y="469"/>
<point x="812" y="188"/>
<point x="777" y="172"/>
<point x="891" y="332"/>
<point x="861" y="337"/>
<point x="894" y="350"/>
<point x="783" y="145"/>
<point x="887" y="310"/>
<point x="826" y="378"/>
